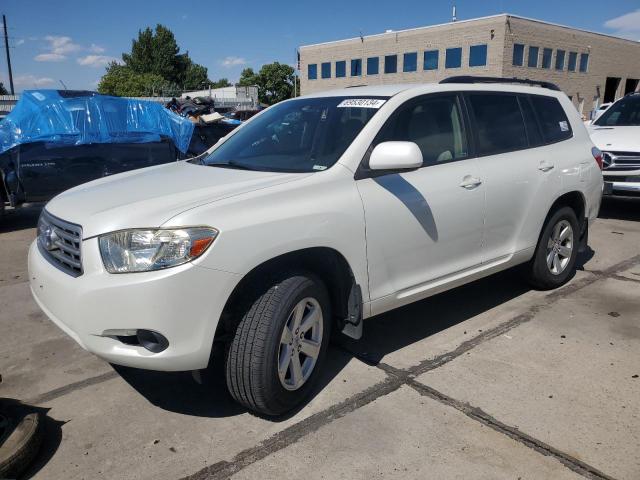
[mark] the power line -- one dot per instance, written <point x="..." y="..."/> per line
<point x="6" y="47"/>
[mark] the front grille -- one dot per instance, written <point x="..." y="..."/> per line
<point x="60" y="243"/>
<point x="621" y="161"/>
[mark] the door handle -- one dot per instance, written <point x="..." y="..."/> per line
<point x="470" y="182"/>
<point x="545" y="167"/>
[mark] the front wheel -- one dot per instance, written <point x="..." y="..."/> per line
<point x="554" y="261"/>
<point x="279" y="346"/>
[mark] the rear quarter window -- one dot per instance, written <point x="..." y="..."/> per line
<point x="554" y="123"/>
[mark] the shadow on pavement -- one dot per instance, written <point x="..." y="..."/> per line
<point x="620" y="208"/>
<point x="21" y="218"/>
<point x="384" y="334"/>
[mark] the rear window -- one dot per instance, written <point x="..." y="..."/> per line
<point x="499" y="123"/>
<point x="553" y="121"/>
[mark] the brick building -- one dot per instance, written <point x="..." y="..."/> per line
<point x="592" y="68"/>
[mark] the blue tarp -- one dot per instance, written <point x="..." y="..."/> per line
<point x="77" y="118"/>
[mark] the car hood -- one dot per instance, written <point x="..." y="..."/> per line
<point x="151" y="196"/>
<point x="616" y="139"/>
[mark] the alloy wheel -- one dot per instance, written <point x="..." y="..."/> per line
<point x="300" y="343"/>
<point x="560" y="247"/>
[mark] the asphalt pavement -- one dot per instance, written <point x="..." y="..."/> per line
<point x="491" y="380"/>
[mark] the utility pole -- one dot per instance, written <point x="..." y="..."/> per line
<point x="6" y="47"/>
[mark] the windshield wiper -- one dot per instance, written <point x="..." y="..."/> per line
<point x="238" y="166"/>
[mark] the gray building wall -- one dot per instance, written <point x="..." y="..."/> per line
<point x="608" y="56"/>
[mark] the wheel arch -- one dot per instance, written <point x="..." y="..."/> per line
<point x="325" y="262"/>
<point x="578" y="203"/>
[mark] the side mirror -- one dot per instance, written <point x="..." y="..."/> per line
<point x="395" y="156"/>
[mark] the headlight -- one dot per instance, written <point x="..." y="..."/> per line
<point x="146" y="250"/>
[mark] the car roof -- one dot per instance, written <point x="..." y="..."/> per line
<point x="391" y="90"/>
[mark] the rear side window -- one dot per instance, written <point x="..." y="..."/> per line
<point x="499" y="123"/>
<point x="553" y="121"/>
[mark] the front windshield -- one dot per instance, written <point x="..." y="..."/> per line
<point x="624" y="113"/>
<point x="302" y="135"/>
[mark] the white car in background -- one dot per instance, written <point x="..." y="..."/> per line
<point x="601" y="109"/>
<point x="617" y="134"/>
<point x="317" y="213"/>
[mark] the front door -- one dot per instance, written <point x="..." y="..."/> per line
<point x="424" y="224"/>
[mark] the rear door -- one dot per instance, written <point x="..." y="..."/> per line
<point x="519" y="170"/>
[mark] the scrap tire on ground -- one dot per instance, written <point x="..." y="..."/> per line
<point x="256" y="351"/>
<point x="21" y="432"/>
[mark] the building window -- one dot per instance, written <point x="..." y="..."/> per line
<point x="356" y="67"/>
<point x="546" y="58"/>
<point x="532" y="61"/>
<point x="477" y="55"/>
<point x="341" y="69"/>
<point x="325" y="70"/>
<point x="312" y="71"/>
<point x="584" y="62"/>
<point x="431" y="60"/>
<point x="573" y="59"/>
<point x="559" y="59"/>
<point x="518" y="54"/>
<point x="453" y="58"/>
<point x="373" y="65"/>
<point x="410" y="63"/>
<point x="391" y="64"/>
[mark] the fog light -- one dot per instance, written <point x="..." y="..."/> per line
<point x="152" y="341"/>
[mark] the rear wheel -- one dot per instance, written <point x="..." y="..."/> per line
<point x="279" y="346"/>
<point x="554" y="261"/>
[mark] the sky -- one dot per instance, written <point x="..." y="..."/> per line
<point x="71" y="41"/>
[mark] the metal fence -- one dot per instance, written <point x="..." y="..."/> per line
<point x="7" y="102"/>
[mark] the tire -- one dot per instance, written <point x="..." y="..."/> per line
<point x="252" y="358"/>
<point x="552" y="265"/>
<point x="20" y="439"/>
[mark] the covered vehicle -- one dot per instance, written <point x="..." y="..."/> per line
<point x="56" y="139"/>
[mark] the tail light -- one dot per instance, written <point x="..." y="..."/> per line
<point x="597" y="155"/>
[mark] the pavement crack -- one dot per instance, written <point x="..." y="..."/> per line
<point x="481" y="416"/>
<point x="625" y="279"/>
<point x="71" y="387"/>
<point x="295" y="432"/>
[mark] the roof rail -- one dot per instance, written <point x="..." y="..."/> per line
<point x="525" y="81"/>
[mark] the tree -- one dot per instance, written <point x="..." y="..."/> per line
<point x="121" y="81"/>
<point x="223" y="82"/>
<point x="154" y="64"/>
<point x="3" y="90"/>
<point x="248" y="78"/>
<point x="195" y="76"/>
<point x="275" y="83"/>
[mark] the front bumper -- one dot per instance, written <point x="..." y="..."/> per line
<point x="622" y="188"/>
<point x="183" y="303"/>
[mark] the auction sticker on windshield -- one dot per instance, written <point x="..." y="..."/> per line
<point x="361" y="103"/>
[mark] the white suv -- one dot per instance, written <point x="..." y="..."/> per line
<point x="617" y="133"/>
<point x="317" y="213"/>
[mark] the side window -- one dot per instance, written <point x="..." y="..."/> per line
<point x="553" y="121"/>
<point x="499" y="123"/>
<point x="530" y="122"/>
<point x="434" y="123"/>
